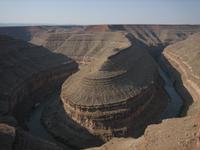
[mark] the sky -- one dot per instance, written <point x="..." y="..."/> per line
<point x="81" y="12"/>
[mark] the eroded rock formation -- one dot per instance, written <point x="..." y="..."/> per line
<point x="107" y="96"/>
<point x="116" y="94"/>
<point x="62" y="38"/>
<point x="182" y="61"/>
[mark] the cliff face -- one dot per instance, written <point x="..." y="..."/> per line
<point x="181" y="61"/>
<point x="28" y="73"/>
<point x="117" y="92"/>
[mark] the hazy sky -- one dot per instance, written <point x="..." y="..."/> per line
<point x="100" y="11"/>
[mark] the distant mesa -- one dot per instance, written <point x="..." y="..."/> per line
<point x="97" y="28"/>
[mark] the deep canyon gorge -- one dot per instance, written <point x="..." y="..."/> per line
<point x="100" y="87"/>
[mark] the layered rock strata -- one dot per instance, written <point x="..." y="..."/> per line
<point x="108" y="96"/>
<point x="28" y="74"/>
<point x="182" y="63"/>
<point x="75" y="41"/>
<point x="84" y="46"/>
<point x="58" y="39"/>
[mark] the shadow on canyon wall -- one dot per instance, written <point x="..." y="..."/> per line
<point x="175" y="76"/>
<point x="31" y="72"/>
<point x="156" y="53"/>
<point x="66" y="130"/>
<point x="40" y="84"/>
<point x="16" y="32"/>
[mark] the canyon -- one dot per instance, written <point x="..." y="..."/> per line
<point x="75" y="87"/>
<point x="180" y="61"/>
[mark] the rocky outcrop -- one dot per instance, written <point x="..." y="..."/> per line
<point x="111" y="95"/>
<point x="171" y="134"/>
<point x="181" y="61"/>
<point x="119" y="90"/>
<point x="117" y="94"/>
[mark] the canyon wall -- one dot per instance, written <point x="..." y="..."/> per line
<point x="182" y="60"/>
<point x="62" y="38"/>
<point x="156" y="37"/>
<point x="116" y="94"/>
<point x="181" y="63"/>
<point x="28" y="74"/>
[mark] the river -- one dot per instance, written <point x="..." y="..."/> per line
<point x="37" y="129"/>
<point x="175" y="102"/>
<point x="34" y="123"/>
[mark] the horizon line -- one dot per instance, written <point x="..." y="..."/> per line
<point x="95" y="24"/>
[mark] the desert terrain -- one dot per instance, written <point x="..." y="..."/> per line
<point x="131" y="87"/>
